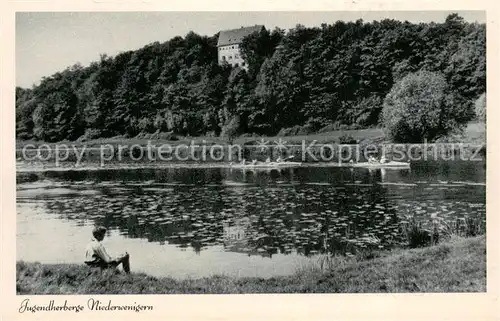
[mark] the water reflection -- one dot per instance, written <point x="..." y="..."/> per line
<point x="289" y="211"/>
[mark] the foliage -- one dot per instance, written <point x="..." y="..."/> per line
<point x="480" y="107"/>
<point x="296" y="130"/>
<point x="25" y="106"/>
<point x="258" y="46"/>
<point x="331" y="75"/>
<point x="422" y="106"/>
<point x="231" y="130"/>
<point x="347" y="140"/>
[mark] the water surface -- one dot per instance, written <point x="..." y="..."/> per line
<point x="183" y="222"/>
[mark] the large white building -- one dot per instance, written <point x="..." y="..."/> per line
<point x="229" y="42"/>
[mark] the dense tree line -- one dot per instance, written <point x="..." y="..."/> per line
<point x="310" y="79"/>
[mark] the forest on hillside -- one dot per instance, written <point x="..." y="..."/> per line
<point x="300" y="81"/>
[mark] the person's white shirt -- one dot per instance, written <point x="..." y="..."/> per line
<point x="95" y="250"/>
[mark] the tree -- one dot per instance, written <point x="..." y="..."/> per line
<point x="306" y="78"/>
<point x="25" y="106"/>
<point x="57" y="118"/>
<point x="258" y="46"/>
<point x="232" y="129"/>
<point x="480" y="107"/>
<point x="421" y="106"/>
<point x="466" y="70"/>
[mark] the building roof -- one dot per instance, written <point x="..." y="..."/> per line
<point x="235" y="36"/>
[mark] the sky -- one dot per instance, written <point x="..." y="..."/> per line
<point x="47" y="42"/>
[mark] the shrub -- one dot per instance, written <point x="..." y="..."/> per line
<point x="168" y="136"/>
<point x="327" y="128"/>
<point x="421" y="107"/>
<point x="347" y="140"/>
<point x="480" y="107"/>
<point x="290" y="131"/>
<point x="145" y="125"/>
<point x="369" y="109"/>
<point x="231" y="130"/>
<point x="296" y="130"/>
<point x="91" y="133"/>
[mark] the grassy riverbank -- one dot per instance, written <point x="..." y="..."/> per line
<point x="474" y="133"/>
<point x="457" y="265"/>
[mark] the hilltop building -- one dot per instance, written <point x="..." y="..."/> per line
<point x="229" y="42"/>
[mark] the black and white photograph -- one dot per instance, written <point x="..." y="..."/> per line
<point x="249" y="152"/>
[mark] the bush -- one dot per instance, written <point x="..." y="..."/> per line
<point x="327" y="128"/>
<point x="422" y="107"/>
<point x="91" y="133"/>
<point x="347" y="140"/>
<point x="480" y="107"/>
<point x="367" y="111"/>
<point x="231" y="130"/>
<point x="168" y="136"/>
<point x="296" y="130"/>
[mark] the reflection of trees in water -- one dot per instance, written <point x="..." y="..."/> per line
<point x="303" y="219"/>
<point x="164" y="175"/>
<point x="201" y="208"/>
<point x="170" y="219"/>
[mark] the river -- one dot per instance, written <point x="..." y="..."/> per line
<point x="184" y="222"/>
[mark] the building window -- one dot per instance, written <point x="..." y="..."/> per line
<point x="236" y="56"/>
<point x="232" y="47"/>
<point x="230" y="57"/>
<point x="223" y="57"/>
<point x="243" y="64"/>
<point x="236" y="65"/>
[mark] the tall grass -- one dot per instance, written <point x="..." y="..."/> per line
<point x="322" y="263"/>
<point x="418" y="233"/>
<point x="457" y="265"/>
<point x="414" y="231"/>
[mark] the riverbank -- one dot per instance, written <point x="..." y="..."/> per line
<point x="457" y="265"/>
<point x="474" y="133"/>
<point x="333" y="147"/>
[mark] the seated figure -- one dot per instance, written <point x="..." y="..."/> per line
<point x="96" y="255"/>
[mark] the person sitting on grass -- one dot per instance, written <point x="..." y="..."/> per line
<point x="96" y="255"/>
